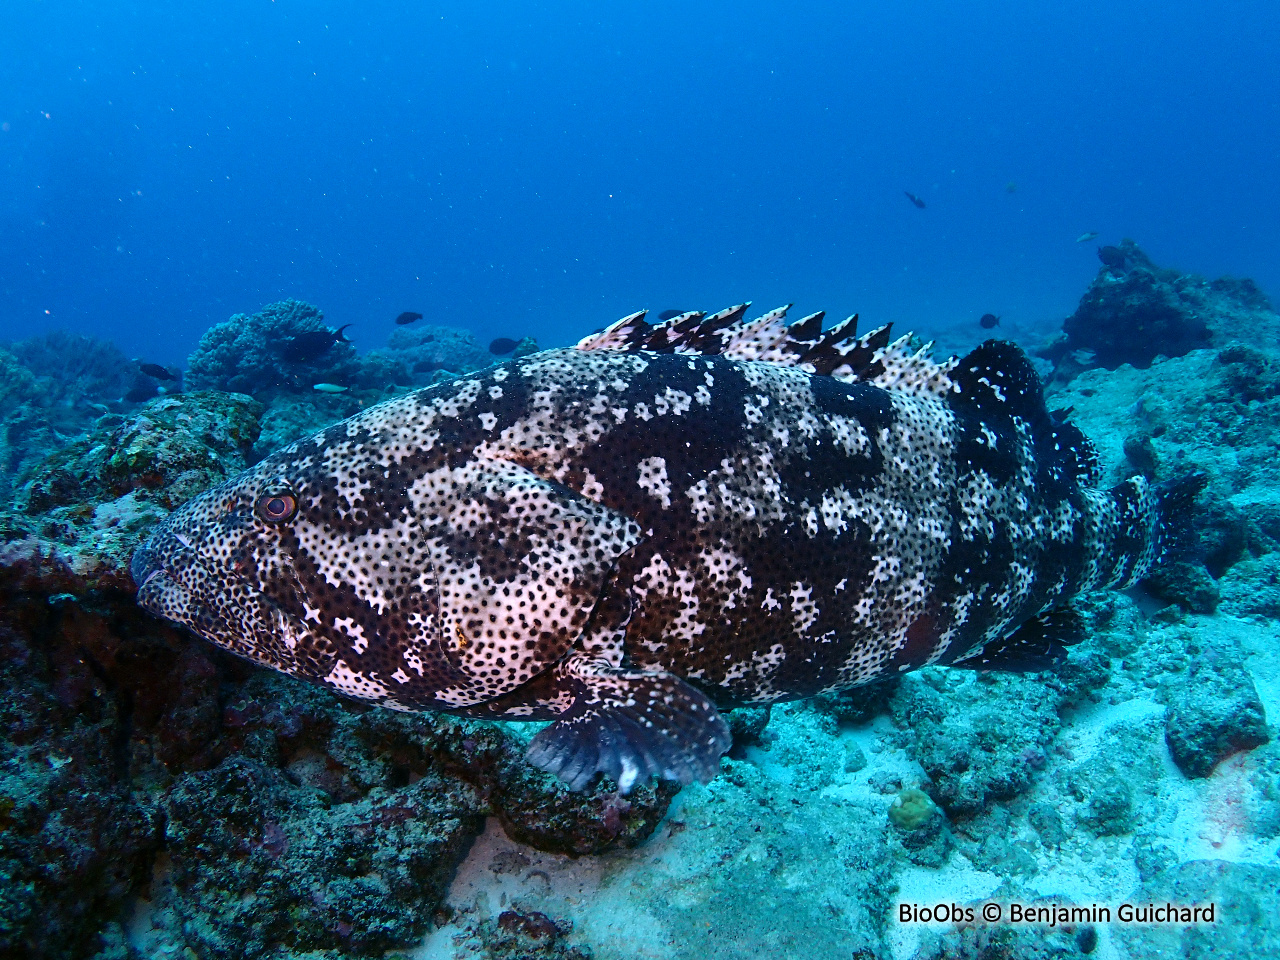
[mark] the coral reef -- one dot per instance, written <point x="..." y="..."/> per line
<point x="75" y="368"/>
<point x="254" y="353"/>
<point x="962" y="737"/>
<point x="66" y="868"/>
<point x="1135" y="311"/>
<point x="160" y="798"/>
<point x="97" y="495"/>
<point x="421" y="355"/>
<point x="52" y="387"/>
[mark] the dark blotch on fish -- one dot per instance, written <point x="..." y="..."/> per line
<point x="407" y="317"/>
<point x="312" y="344"/>
<point x="670" y="314"/>
<point x="914" y="199"/>
<point x="1112" y="256"/>
<point x="988" y="320"/>
<point x="156" y="371"/>
<point x="503" y="345"/>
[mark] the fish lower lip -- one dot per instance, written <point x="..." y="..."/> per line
<point x="150" y="576"/>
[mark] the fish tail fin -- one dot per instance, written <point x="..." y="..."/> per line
<point x="338" y="333"/>
<point x="1150" y="522"/>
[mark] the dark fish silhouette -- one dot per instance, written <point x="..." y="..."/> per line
<point x="503" y="345"/>
<point x="670" y="314"/>
<point x="407" y="317"/>
<point x="914" y="199"/>
<point x="1111" y="256"/>
<point x="142" y="392"/>
<point x="156" y="371"/>
<point x="312" y="344"/>
<point x="988" y="320"/>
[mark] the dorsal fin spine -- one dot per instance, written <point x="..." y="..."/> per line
<point x="873" y="358"/>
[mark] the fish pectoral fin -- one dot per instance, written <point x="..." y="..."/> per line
<point x="1039" y="644"/>
<point x="629" y="725"/>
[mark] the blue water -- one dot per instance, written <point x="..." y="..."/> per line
<point x="545" y="168"/>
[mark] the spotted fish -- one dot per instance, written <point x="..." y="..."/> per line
<point x="626" y="536"/>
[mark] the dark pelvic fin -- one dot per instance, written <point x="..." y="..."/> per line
<point x="629" y="726"/>
<point x="1039" y="644"/>
<point x="838" y="352"/>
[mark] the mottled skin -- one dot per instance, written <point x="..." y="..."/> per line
<point x="573" y="534"/>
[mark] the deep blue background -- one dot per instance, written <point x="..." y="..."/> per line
<point x="546" y="168"/>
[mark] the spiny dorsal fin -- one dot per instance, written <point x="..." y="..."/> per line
<point x="873" y="358"/>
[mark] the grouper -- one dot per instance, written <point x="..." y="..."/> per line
<point x="628" y="536"/>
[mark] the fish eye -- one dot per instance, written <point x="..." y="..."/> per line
<point x="280" y="507"/>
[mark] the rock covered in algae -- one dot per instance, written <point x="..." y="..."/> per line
<point x="1213" y="712"/>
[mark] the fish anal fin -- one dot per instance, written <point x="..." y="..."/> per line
<point x="629" y="725"/>
<point x="1039" y="644"/>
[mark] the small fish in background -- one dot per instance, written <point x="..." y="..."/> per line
<point x="670" y="314"/>
<point x="1086" y="237"/>
<point x="157" y="372"/>
<point x="502" y="346"/>
<point x="329" y="388"/>
<point x="1010" y="187"/>
<point x="914" y="199"/>
<point x="312" y="344"/>
<point x="407" y="317"/>
<point x="988" y="320"/>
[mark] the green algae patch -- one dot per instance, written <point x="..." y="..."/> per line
<point x="911" y="809"/>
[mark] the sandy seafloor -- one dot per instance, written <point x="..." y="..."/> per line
<point x="773" y="866"/>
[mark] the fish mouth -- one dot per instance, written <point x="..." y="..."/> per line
<point x="152" y="568"/>
<point x="143" y="567"/>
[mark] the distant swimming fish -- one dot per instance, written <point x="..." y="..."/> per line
<point x="312" y="344"/>
<point x="329" y="388"/>
<point x="142" y="392"/>
<point x="914" y="199"/>
<point x="156" y="371"/>
<point x="503" y="345"/>
<point x="988" y="320"/>
<point x="1086" y="237"/>
<point x="407" y="317"/>
<point x="671" y="314"/>
<point x="428" y="366"/>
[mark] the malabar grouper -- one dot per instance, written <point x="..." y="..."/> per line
<point x="627" y="536"/>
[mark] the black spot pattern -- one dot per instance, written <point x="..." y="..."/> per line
<point x="712" y="510"/>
